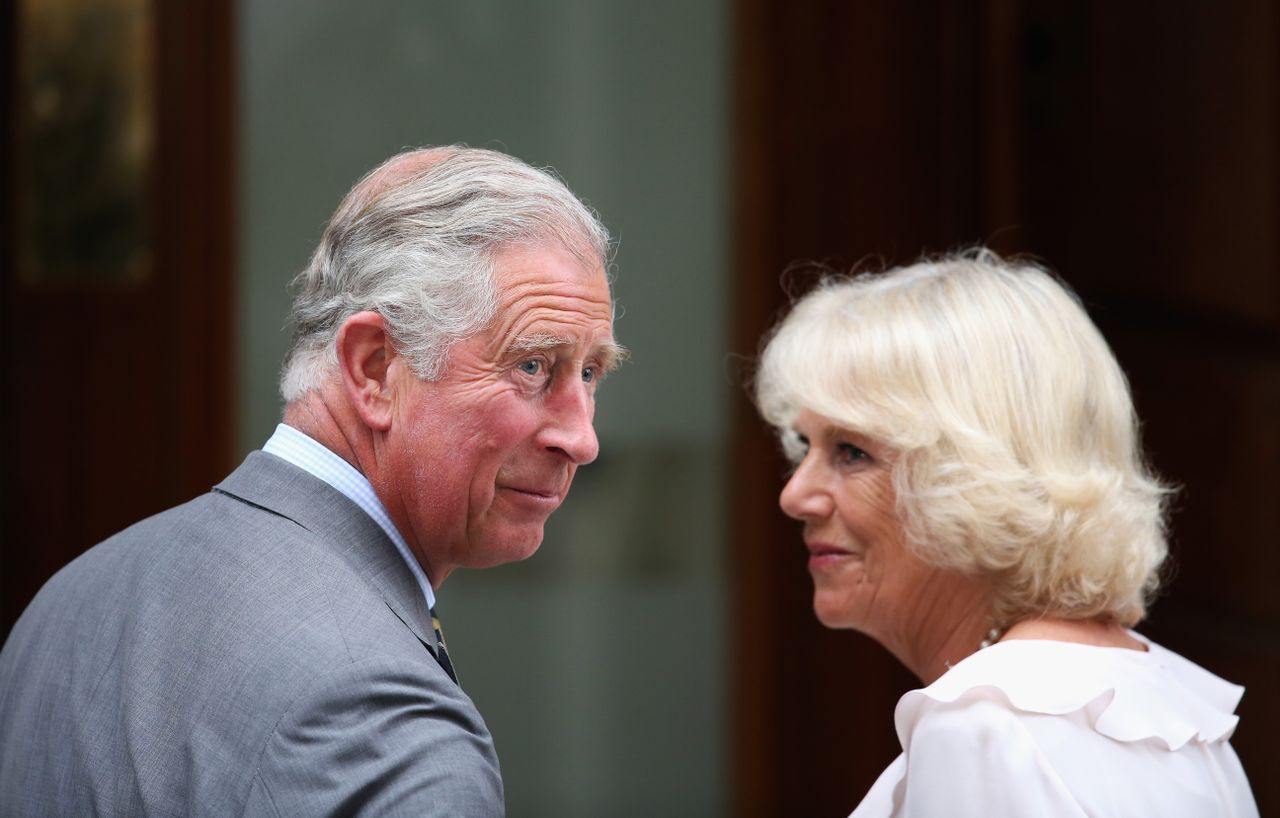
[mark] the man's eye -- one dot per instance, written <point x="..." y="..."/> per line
<point x="530" y="367"/>
<point x="589" y="374"/>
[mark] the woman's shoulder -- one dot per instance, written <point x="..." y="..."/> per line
<point x="1126" y="695"/>
<point x="1037" y="727"/>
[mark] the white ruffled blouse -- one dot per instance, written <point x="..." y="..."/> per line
<point x="1035" y="727"/>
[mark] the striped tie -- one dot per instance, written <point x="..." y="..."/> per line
<point x="441" y="653"/>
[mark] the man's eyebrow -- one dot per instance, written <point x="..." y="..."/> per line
<point x="538" y="342"/>
<point x="611" y="354"/>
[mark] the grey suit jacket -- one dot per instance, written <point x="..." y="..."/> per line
<point x="261" y="650"/>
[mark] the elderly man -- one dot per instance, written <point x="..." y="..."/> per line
<point x="270" y="648"/>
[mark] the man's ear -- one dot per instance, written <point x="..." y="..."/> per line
<point x="365" y="353"/>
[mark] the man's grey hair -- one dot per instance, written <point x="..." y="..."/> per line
<point x="414" y="241"/>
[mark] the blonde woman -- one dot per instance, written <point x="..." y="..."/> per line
<point x="970" y="480"/>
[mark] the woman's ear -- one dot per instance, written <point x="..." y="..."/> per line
<point x="365" y="352"/>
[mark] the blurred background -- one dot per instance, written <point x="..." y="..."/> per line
<point x="168" y="167"/>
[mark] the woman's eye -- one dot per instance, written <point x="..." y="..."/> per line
<point x="530" y="367"/>
<point x="849" y="453"/>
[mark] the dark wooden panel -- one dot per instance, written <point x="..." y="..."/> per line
<point x="1211" y="426"/>
<point x="1151" y="180"/>
<point x="1149" y="150"/>
<point x="1137" y="154"/>
<point x="1211" y="397"/>
<point x="857" y="129"/>
<point x="118" y="399"/>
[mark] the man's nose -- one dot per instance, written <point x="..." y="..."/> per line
<point x="803" y="497"/>
<point x="569" y="426"/>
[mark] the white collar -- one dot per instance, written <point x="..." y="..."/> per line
<point x="308" y="454"/>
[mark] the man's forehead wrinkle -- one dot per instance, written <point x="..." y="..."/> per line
<point x="531" y="285"/>
<point x="521" y="314"/>
<point x="520" y="317"/>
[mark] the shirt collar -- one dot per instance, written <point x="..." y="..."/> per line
<point x="308" y="454"/>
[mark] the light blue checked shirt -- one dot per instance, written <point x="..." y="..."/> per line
<point x="306" y="453"/>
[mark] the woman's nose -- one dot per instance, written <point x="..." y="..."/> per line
<point x="804" y="497"/>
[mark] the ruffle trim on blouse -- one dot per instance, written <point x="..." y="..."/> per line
<point x="1126" y="695"/>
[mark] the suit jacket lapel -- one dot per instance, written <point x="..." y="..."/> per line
<point x="266" y="481"/>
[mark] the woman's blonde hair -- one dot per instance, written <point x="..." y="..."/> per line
<point x="1018" y="446"/>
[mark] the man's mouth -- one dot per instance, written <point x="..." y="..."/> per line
<point x="548" y="493"/>
<point x="535" y="496"/>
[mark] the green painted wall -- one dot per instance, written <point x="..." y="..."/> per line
<point x="599" y="663"/>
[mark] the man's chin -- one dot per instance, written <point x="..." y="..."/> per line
<point x="510" y="546"/>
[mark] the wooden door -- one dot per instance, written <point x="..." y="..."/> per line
<point x="1135" y="153"/>
<point x="117" y="382"/>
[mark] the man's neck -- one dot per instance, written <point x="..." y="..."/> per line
<point x="325" y="416"/>
<point x="316" y="415"/>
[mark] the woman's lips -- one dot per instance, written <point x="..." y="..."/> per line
<point x="824" y="556"/>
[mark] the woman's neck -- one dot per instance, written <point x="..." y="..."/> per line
<point x="950" y="618"/>
<point x="929" y="658"/>
<point x="1080" y="631"/>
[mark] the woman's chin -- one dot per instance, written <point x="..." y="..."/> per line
<point x="833" y="613"/>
